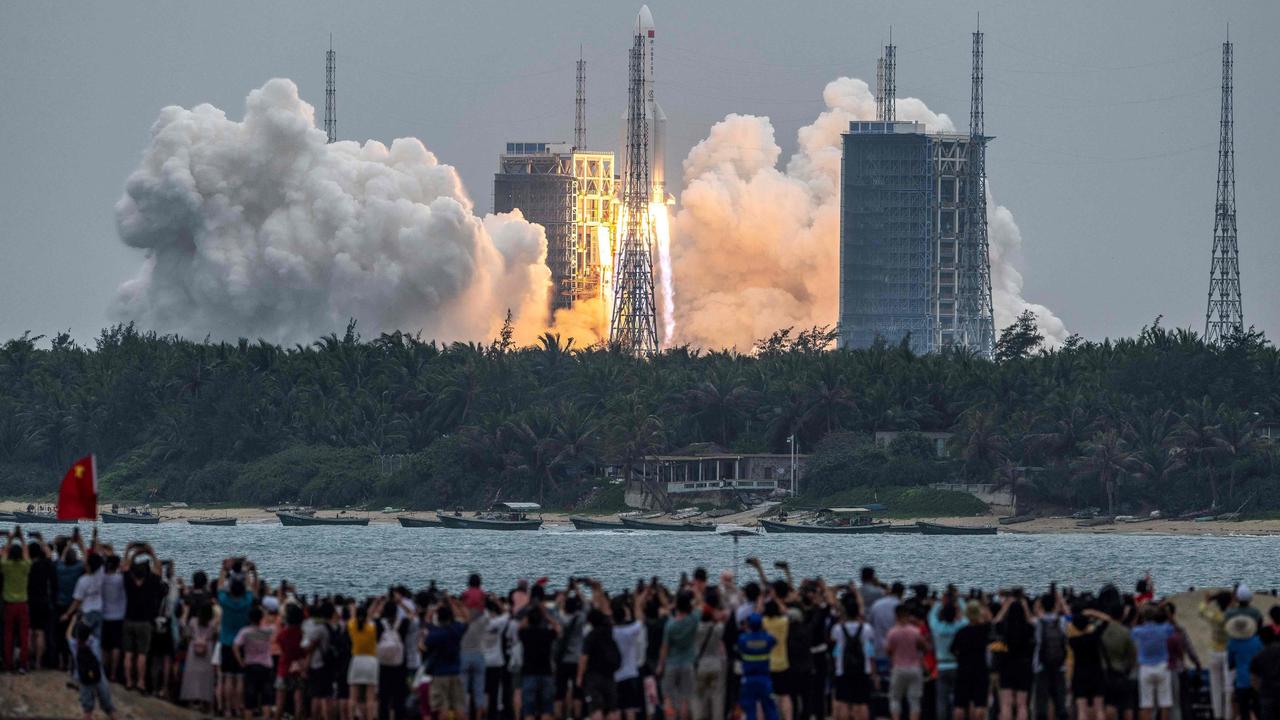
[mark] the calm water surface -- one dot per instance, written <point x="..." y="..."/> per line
<point x="368" y="559"/>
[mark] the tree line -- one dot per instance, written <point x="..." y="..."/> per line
<point x="1161" y="420"/>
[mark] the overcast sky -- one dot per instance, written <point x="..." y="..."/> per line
<point x="1105" y="114"/>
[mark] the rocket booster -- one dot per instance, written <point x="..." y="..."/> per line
<point x="654" y="116"/>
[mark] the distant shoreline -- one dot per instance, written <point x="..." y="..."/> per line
<point x="1039" y="526"/>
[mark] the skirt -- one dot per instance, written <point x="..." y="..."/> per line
<point x="363" y="670"/>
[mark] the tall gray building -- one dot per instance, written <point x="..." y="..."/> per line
<point x="538" y="180"/>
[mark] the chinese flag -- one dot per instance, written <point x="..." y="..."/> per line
<point x="78" y="497"/>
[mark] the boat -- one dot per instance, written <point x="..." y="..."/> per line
<point x="585" y="523"/>
<point x="7" y="517"/>
<point x="1016" y="519"/>
<point x="685" y="526"/>
<point x="296" y="520"/>
<point x="501" y="516"/>
<point x="31" y="518"/>
<point x="834" y="521"/>
<point x="130" y="518"/>
<point x="213" y="522"/>
<point x="928" y="528"/>
<point x="737" y="531"/>
<point x="413" y="522"/>
<point x="1095" y="522"/>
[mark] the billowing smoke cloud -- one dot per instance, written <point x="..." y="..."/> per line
<point x="259" y="229"/>
<point x="757" y="247"/>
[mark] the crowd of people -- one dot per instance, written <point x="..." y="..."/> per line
<point x="233" y="644"/>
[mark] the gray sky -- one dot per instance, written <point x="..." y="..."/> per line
<point x="1105" y="113"/>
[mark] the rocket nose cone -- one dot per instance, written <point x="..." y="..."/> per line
<point x="644" y="20"/>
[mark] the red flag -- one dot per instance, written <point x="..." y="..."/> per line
<point x="78" y="497"/>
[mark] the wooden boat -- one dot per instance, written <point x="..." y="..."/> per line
<point x="129" y="518"/>
<point x="28" y="518"/>
<point x="413" y="522"/>
<point x="295" y="520"/>
<point x="835" y="521"/>
<point x="502" y="516"/>
<point x="213" y="522"/>
<point x="738" y="531"/>
<point x="686" y="526"/>
<point x="1016" y="519"/>
<point x="586" y="523"/>
<point x="7" y="517"/>
<point x="936" y="529"/>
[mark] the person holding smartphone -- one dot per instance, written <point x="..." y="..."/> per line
<point x="15" y="566"/>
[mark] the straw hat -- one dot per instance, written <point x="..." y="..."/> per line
<point x="1241" y="627"/>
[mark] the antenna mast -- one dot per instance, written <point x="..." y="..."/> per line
<point x="1225" y="314"/>
<point x="634" y="328"/>
<point x="977" y="324"/>
<point x="890" y="79"/>
<point x="580" y="104"/>
<point x="330" y="98"/>
<point x="880" y="88"/>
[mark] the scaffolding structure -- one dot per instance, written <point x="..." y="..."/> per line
<point x="975" y="321"/>
<point x="537" y="179"/>
<point x="1225" y="314"/>
<point x="330" y="94"/>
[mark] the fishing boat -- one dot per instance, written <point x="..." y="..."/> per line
<point x="413" y="522"/>
<point x="213" y="522"/>
<point x="31" y="518"/>
<point x="502" y="516"/>
<point x="738" y="531"/>
<point x="1095" y="522"/>
<point x="585" y="523"/>
<point x="936" y="529"/>
<point x="832" y="521"/>
<point x="684" y="526"/>
<point x="133" y="517"/>
<point x="7" y="517"/>
<point x="1016" y="519"/>
<point x="295" y="520"/>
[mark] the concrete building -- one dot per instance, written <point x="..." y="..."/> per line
<point x="903" y="206"/>
<point x="571" y="194"/>
<point x="708" y="475"/>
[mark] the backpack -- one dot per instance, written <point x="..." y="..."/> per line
<point x="854" y="655"/>
<point x="564" y="641"/>
<point x="390" y="646"/>
<point x="332" y="651"/>
<point x="610" y="657"/>
<point x="1053" y="644"/>
<point x="88" y="668"/>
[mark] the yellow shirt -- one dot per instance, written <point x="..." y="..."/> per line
<point x="364" y="641"/>
<point x="1214" y="617"/>
<point x="777" y="627"/>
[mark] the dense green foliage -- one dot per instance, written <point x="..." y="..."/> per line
<point x="1160" y="420"/>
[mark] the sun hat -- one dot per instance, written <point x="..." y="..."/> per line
<point x="1243" y="593"/>
<point x="1241" y="627"/>
<point x="270" y="604"/>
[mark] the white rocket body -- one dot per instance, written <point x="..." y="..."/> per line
<point x="655" y="118"/>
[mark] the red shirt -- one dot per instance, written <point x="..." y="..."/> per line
<point x="290" y="639"/>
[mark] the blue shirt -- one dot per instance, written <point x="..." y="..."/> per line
<point x="753" y="649"/>
<point x="444" y="646"/>
<point x="1152" y="640"/>
<point x="67" y="577"/>
<point x="943" y="634"/>
<point x="235" y="615"/>
<point x="1239" y="654"/>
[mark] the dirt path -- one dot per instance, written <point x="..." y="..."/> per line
<point x="45" y="695"/>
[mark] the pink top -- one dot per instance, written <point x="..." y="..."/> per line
<point x="255" y="645"/>
<point x="903" y="646"/>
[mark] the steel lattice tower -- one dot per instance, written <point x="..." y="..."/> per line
<point x="635" y="321"/>
<point x="880" y="88"/>
<point x="330" y="97"/>
<point x="975" y="316"/>
<point x="580" y="106"/>
<point x="1225" y="314"/>
<point x="889" y="100"/>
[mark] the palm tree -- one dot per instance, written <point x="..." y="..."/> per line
<point x="1236" y="438"/>
<point x="1197" y="437"/>
<point x="982" y="446"/>
<point x="1107" y="458"/>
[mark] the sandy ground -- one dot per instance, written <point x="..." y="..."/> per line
<point x="45" y="695"/>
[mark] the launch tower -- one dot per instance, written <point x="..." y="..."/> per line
<point x="1225" y="314"/>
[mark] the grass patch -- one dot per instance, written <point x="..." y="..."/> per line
<point x="903" y="502"/>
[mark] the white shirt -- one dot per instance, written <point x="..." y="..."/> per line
<point x="89" y="592"/>
<point x="492" y="644"/>
<point x="630" y="648"/>
<point x="882" y="616"/>
<point x="856" y="632"/>
<point x="114" y="601"/>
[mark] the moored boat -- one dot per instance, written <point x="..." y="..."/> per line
<point x="928" y="528"/>
<point x="685" y="526"/>
<point x="835" y="521"/>
<point x="295" y="520"/>
<point x="30" y="518"/>
<point x="7" y="517"/>
<point x="586" y="523"/>
<point x="502" y="516"/>
<point x="213" y="522"/>
<point x="413" y="522"/>
<point x="129" y="518"/>
<point x="773" y="526"/>
<point x="1017" y="519"/>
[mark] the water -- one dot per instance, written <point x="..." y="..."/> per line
<point x="368" y="559"/>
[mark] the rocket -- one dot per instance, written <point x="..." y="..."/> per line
<point x="654" y="116"/>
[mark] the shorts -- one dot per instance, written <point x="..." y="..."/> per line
<point x="1016" y="675"/>
<point x="291" y="683"/>
<point x="112" y="634"/>
<point x="320" y="683"/>
<point x="601" y="693"/>
<point x="1117" y="693"/>
<point x="630" y="694"/>
<point x="1155" y="687"/>
<point x="906" y="684"/>
<point x="137" y="637"/>
<point x="537" y="695"/>
<point x="972" y="690"/>
<point x="257" y="687"/>
<point x="41" y="615"/>
<point x="161" y="642"/>
<point x="363" y="670"/>
<point x="447" y="694"/>
<point x="566" y="675"/>
<point x="782" y="684"/>
<point x="227" y="661"/>
<point x="677" y="684"/>
<point x="852" y="688"/>
<point x="1087" y="686"/>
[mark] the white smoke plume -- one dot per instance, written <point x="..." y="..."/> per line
<point x="259" y="229"/>
<point x="757" y="247"/>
